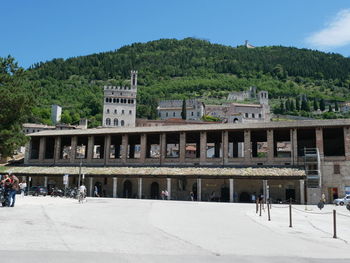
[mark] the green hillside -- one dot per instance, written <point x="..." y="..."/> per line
<point x="171" y="69"/>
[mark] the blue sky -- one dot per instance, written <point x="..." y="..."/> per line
<point x="40" y="30"/>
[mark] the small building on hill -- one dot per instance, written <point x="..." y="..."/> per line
<point x="168" y="109"/>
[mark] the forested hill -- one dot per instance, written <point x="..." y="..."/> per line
<point x="170" y="68"/>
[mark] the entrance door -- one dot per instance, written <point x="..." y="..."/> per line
<point x="290" y="193"/>
<point x="154" y="190"/>
<point x="127" y="189"/>
<point x="332" y="193"/>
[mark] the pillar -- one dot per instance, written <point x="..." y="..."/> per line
<point x="247" y="146"/>
<point x="107" y="148"/>
<point x="302" y="191"/>
<point x="57" y="153"/>
<point x="73" y="143"/>
<point x="45" y="181"/>
<point x="90" y="148"/>
<point x="203" y="147"/>
<point x="143" y="145"/>
<point x="42" y="148"/>
<point x="225" y="147"/>
<point x="347" y="142"/>
<point x="294" y="144"/>
<point x="182" y="147"/>
<point x="264" y="190"/>
<point x="168" y="186"/>
<point x="199" y="189"/>
<point x="162" y="147"/>
<point x="91" y="181"/>
<point x="319" y="141"/>
<point x="270" y="147"/>
<point x="124" y="152"/>
<point x="115" y="187"/>
<point x="232" y="190"/>
<point x="140" y="188"/>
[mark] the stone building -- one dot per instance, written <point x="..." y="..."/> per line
<point x="119" y="107"/>
<point x="172" y="109"/>
<point x="249" y="94"/>
<point x="281" y="160"/>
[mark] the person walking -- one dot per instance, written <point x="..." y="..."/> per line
<point x="192" y="196"/>
<point x="162" y="194"/>
<point x="96" y="191"/>
<point x="166" y="195"/>
<point x="23" y="187"/>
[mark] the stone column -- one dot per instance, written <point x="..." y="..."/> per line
<point x="203" y="147"/>
<point x="107" y="148"/>
<point x="90" y="148"/>
<point x="302" y="191"/>
<point x="162" y="148"/>
<point x="225" y="147"/>
<point x="232" y="189"/>
<point x="140" y="188"/>
<point x="143" y="145"/>
<point x="294" y="146"/>
<point x="42" y="148"/>
<point x="270" y="147"/>
<point x="91" y="181"/>
<point x="347" y="142"/>
<point x="182" y="147"/>
<point x="115" y="187"/>
<point x="168" y="186"/>
<point x="57" y="150"/>
<point x="319" y="141"/>
<point x="124" y="152"/>
<point x="199" y="189"/>
<point x="45" y="181"/>
<point x="73" y="143"/>
<point x="264" y="182"/>
<point x="247" y="146"/>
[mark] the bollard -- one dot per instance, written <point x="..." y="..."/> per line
<point x="334" y="224"/>
<point x="260" y="207"/>
<point x="257" y="206"/>
<point x="290" y="212"/>
<point x="268" y="210"/>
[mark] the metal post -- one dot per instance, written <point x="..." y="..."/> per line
<point x="334" y="224"/>
<point x="257" y="205"/>
<point x="268" y="210"/>
<point x="260" y="207"/>
<point x="290" y="212"/>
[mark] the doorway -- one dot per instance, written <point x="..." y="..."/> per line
<point x="154" y="190"/>
<point x="290" y="193"/>
<point x="127" y="189"/>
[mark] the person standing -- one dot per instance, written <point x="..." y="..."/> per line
<point x="14" y="182"/>
<point x="23" y="187"/>
<point x="166" y="195"/>
<point x="253" y="198"/>
<point x="192" y="196"/>
<point x="96" y="191"/>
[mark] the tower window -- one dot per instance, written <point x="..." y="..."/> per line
<point x="115" y="111"/>
<point x="117" y="100"/>
<point x="122" y="123"/>
<point x="108" y="121"/>
<point x="130" y="112"/>
<point x="106" y="99"/>
<point x="122" y="111"/>
<point x="174" y="114"/>
<point x="246" y="115"/>
<point x="253" y="115"/>
<point x="166" y="114"/>
<point x="107" y="110"/>
<point x="114" y="100"/>
<point x="115" y="122"/>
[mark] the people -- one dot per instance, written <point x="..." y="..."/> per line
<point x="96" y="191"/>
<point x="82" y="191"/>
<point x="323" y="198"/>
<point x="22" y="187"/>
<point x="11" y="183"/>
<point x="166" y="195"/>
<point x="162" y="194"/>
<point x="253" y="198"/>
<point x="192" y="196"/>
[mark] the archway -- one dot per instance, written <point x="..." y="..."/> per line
<point x="244" y="197"/>
<point x="127" y="189"/>
<point x="154" y="190"/>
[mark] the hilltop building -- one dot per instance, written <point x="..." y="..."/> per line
<point x="168" y="109"/>
<point x="119" y="107"/>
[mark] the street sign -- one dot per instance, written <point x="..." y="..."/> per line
<point x="65" y="179"/>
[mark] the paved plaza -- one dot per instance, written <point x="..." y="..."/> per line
<point x="47" y="229"/>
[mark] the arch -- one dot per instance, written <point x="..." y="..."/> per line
<point x="154" y="190"/>
<point x="108" y="121"/>
<point x="127" y="189"/>
<point x="114" y="100"/>
<point x="115" y="111"/>
<point x="244" y="197"/>
<point x="117" y="100"/>
<point x="122" y="122"/>
<point x="235" y="120"/>
<point x="115" y="122"/>
<point x="106" y="99"/>
<point x="107" y="110"/>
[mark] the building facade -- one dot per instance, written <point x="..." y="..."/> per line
<point x="169" y="109"/>
<point x="119" y="104"/>
<point x="232" y="160"/>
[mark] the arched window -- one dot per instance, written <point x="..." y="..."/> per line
<point x="122" y="123"/>
<point x="174" y="114"/>
<point x="115" y="122"/>
<point x="130" y="112"/>
<point x="110" y="100"/>
<point x="122" y="112"/>
<point x="107" y="111"/>
<point x="108" y="121"/>
<point x="114" y="100"/>
<point x="117" y="100"/>
<point x="106" y="99"/>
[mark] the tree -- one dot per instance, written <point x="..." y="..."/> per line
<point x="16" y="104"/>
<point x="282" y="109"/>
<point x="330" y="108"/>
<point x="315" y="104"/>
<point x="287" y="105"/>
<point x="297" y="104"/>
<point x="305" y="105"/>
<point x="322" y="105"/>
<point x="183" y="112"/>
<point x="336" y="107"/>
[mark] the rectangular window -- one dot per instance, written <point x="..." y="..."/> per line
<point x="336" y="169"/>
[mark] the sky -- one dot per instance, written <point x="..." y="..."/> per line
<point x="40" y="30"/>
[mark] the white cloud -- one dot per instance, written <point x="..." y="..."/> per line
<point x="335" y="34"/>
